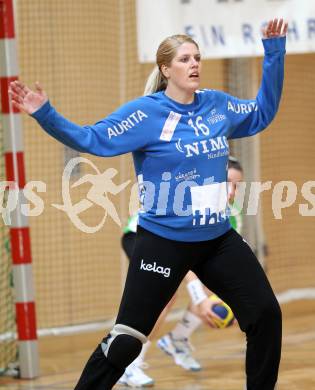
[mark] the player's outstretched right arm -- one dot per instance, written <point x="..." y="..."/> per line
<point x="121" y="132"/>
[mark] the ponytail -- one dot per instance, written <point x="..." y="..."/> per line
<point x="155" y="82"/>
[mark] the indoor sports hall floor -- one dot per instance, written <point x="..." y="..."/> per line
<point x="221" y="353"/>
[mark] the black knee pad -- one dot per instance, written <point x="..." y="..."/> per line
<point x="122" y="345"/>
<point x="123" y="350"/>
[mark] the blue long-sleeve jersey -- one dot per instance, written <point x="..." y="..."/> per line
<point x="180" y="151"/>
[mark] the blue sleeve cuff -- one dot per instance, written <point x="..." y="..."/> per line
<point x="273" y="45"/>
<point x="40" y="114"/>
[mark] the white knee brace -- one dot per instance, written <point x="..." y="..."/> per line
<point x="120" y="329"/>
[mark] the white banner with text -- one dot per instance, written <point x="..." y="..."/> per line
<point x="223" y="28"/>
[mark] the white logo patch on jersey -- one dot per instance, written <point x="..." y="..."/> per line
<point x="170" y="126"/>
<point x="209" y="202"/>
<point x="215" y="117"/>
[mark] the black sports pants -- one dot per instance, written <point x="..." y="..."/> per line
<point x="228" y="267"/>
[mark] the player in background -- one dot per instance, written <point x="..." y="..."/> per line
<point x="176" y="342"/>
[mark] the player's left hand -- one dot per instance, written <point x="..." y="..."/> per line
<point x="275" y="28"/>
<point x="204" y="311"/>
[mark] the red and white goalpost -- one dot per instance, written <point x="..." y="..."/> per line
<point x="15" y="174"/>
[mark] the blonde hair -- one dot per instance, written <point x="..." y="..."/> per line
<point x="165" y="53"/>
